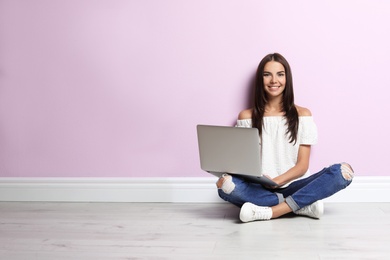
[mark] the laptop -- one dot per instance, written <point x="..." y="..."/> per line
<point x="232" y="150"/>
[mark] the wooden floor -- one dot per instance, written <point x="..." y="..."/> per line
<point x="188" y="231"/>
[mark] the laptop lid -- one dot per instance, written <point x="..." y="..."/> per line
<point x="233" y="150"/>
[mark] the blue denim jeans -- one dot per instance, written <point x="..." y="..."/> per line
<point x="298" y="194"/>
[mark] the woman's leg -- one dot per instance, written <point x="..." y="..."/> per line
<point x="304" y="195"/>
<point x="318" y="186"/>
<point x="238" y="191"/>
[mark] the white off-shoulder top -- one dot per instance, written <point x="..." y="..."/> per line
<point x="277" y="154"/>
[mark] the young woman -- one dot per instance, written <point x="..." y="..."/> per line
<point x="287" y="132"/>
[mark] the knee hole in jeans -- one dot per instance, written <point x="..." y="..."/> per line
<point x="347" y="171"/>
<point x="226" y="184"/>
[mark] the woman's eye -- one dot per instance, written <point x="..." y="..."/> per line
<point x="281" y="75"/>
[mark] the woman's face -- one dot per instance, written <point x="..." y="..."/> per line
<point x="274" y="77"/>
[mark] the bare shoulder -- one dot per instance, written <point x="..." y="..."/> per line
<point x="245" y="114"/>
<point x="303" y="111"/>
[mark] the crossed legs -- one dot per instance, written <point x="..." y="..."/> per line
<point x="250" y="212"/>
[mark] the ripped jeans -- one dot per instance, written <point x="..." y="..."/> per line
<point x="297" y="195"/>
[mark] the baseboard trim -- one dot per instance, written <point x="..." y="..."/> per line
<point x="175" y="190"/>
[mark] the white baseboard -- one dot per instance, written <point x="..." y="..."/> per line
<point x="180" y="190"/>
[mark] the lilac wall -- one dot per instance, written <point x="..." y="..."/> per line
<point x="115" y="88"/>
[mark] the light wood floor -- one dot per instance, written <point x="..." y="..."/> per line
<point x="188" y="231"/>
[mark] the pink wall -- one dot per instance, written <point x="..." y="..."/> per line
<point x="115" y="88"/>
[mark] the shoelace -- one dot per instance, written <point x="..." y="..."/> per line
<point x="258" y="213"/>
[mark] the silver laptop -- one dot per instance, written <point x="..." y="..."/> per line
<point x="232" y="150"/>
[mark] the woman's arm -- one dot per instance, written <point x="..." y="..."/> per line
<point x="299" y="169"/>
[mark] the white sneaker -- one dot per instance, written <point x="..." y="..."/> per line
<point x="251" y="212"/>
<point x="315" y="210"/>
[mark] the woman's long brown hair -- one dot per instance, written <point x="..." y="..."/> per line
<point x="261" y="99"/>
